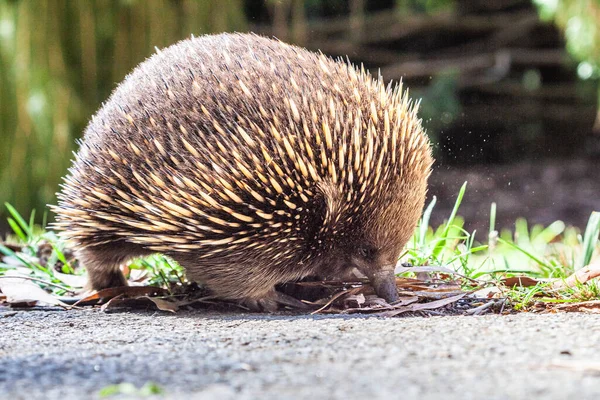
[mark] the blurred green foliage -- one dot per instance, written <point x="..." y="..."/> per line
<point x="424" y="6"/>
<point x="580" y="21"/>
<point x="59" y="59"/>
<point x="440" y="104"/>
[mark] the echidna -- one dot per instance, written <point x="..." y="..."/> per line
<point x="250" y="162"/>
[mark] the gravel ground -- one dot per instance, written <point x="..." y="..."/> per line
<point x="208" y="355"/>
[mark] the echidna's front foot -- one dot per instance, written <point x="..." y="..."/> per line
<point x="102" y="265"/>
<point x="105" y="279"/>
<point x="272" y="301"/>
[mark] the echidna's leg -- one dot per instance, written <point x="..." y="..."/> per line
<point x="252" y="286"/>
<point x="102" y="263"/>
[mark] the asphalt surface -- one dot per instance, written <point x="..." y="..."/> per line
<point x="208" y="355"/>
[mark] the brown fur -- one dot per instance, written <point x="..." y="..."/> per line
<point x="251" y="163"/>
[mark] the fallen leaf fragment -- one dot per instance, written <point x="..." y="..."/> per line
<point x="431" y="294"/>
<point x="337" y="296"/>
<point x="122" y="301"/>
<point x="129" y="291"/>
<point x="488" y="292"/>
<point x="354" y="301"/>
<point x="74" y="281"/>
<point x="522" y="281"/>
<point x="580" y="276"/>
<point x="162" y="304"/>
<point x="432" y="305"/>
<point x="404" y="301"/>
<point x="377" y="304"/>
<point x="114" y="302"/>
<point x="20" y="291"/>
<point x="591" y="307"/>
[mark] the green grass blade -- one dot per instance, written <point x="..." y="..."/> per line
<point x="527" y="253"/>
<point x="7" y="266"/>
<point x="492" y="218"/>
<point x="67" y="268"/>
<point x="546" y="235"/>
<point x="31" y="221"/>
<point x="468" y="252"/>
<point x="45" y="219"/>
<point x="522" y="232"/>
<point x="441" y="242"/>
<point x="8" y="252"/>
<point x="17" y="229"/>
<point x="590" y="240"/>
<point x="31" y="265"/>
<point x="19" y="219"/>
<point x="424" y="226"/>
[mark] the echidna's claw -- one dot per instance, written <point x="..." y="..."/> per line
<point x="272" y="301"/>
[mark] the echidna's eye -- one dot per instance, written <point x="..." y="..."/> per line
<point x="367" y="252"/>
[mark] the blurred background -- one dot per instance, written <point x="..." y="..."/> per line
<point x="509" y="88"/>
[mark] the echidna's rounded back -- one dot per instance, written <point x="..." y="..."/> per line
<point x="225" y="139"/>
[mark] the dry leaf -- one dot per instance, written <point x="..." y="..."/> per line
<point x="130" y="291"/>
<point x="423" y="306"/>
<point x="522" y="281"/>
<point x="22" y="291"/>
<point x="354" y="301"/>
<point x="162" y="304"/>
<point x="337" y="296"/>
<point x="404" y="301"/>
<point x="488" y="292"/>
<point x="377" y="304"/>
<point x="592" y="307"/>
<point x="75" y="281"/>
<point x="375" y="301"/>
<point x="432" y="295"/>
<point x="581" y="276"/>
<point x="114" y="302"/>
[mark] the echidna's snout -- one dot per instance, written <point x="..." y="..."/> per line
<point x="384" y="283"/>
<point x="376" y="264"/>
